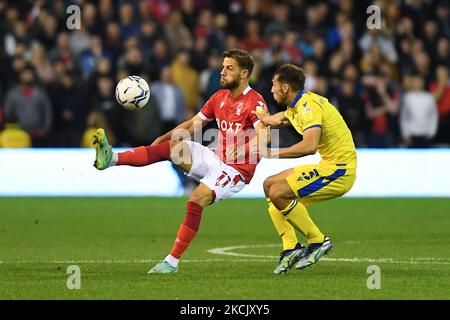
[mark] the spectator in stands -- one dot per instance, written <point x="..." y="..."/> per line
<point x="279" y="24"/>
<point x="443" y="52"/>
<point x="443" y="17"/>
<point x="128" y="23"/>
<point x="423" y="66"/>
<point x="343" y="29"/>
<point x="275" y="48"/>
<point x="106" y="11"/>
<point x="253" y="39"/>
<point x="210" y="77"/>
<point x="418" y="114"/>
<point x="176" y="33"/>
<point x="90" y="56"/>
<point x="159" y="58"/>
<point x="79" y="41"/>
<point x="148" y="36"/>
<point x="32" y="106"/>
<point x="376" y="37"/>
<point x="113" y="41"/>
<point x="133" y="61"/>
<point x="169" y="99"/>
<point x="47" y="30"/>
<point x="187" y="78"/>
<point x="69" y="113"/>
<point x="381" y="109"/>
<point x="141" y="127"/>
<point x="207" y="29"/>
<point x="188" y="12"/>
<point x="62" y="51"/>
<point x="199" y="54"/>
<point x="440" y="88"/>
<point x="351" y="107"/>
<point x="39" y="60"/>
<point x="102" y="68"/>
<point x="104" y="102"/>
<point x="291" y="48"/>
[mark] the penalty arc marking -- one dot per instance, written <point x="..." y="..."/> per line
<point x="229" y="251"/>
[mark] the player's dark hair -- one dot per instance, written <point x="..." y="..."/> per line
<point x="242" y="57"/>
<point x="292" y="75"/>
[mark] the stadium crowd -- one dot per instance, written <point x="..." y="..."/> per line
<point x="57" y="85"/>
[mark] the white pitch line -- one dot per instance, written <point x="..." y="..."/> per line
<point x="245" y="258"/>
<point x="127" y="261"/>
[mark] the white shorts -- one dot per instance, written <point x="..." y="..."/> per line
<point x="224" y="180"/>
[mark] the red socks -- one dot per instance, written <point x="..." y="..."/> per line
<point x="188" y="229"/>
<point x="143" y="156"/>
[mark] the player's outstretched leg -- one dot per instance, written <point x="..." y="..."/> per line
<point x="314" y="252"/>
<point x="288" y="258"/>
<point x="136" y="157"/>
<point x="103" y="150"/>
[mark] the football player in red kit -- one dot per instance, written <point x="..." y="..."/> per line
<point x="221" y="173"/>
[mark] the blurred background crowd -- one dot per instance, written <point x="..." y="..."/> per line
<point x="57" y="85"/>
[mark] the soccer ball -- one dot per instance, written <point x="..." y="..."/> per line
<point x="132" y="92"/>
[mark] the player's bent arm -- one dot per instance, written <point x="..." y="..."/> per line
<point x="276" y="120"/>
<point x="182" y="130"/>
<point x="305" y="147"/>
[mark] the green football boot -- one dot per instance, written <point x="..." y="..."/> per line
<point x="163" y="267"/>
<point x="314" y="252"/>
<point x="103" y="150"/>
<point x="288" y="258"/>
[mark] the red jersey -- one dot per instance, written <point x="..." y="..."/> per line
<point x="236" y="123"/>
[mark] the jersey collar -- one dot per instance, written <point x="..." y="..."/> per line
<point x="243" y="93"/>
<point x="297" y="98"/>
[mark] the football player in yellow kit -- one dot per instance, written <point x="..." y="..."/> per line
<point x="290" y="192"/>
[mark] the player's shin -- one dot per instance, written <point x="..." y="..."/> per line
<point x="284" y="228"/>
<point x="143" y="156"/>
<point x="186" y="233"/>
<point x="297" y="215"/>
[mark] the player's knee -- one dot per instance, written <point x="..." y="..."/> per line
<point x="266" y="185"/>
<point x="203" y="198"/>
<point x="275" y="192"/>
<point x="278" y="195"/>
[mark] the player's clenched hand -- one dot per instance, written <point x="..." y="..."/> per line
<point x="262" y="115"/>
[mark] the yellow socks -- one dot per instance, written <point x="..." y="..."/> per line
<point x="297" y="215"/>
<point x="284" y="228"/>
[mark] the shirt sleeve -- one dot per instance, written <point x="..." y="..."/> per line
<point x="311" y="115"/>
<point x="207" y="111"/>
<point x="288" y="114"/>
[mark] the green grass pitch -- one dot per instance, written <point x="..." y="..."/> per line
<point x="115" y="241"/>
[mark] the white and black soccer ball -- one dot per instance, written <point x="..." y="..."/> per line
<point x="132" y="92"/>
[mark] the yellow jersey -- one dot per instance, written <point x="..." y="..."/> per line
<point x="310" y="110"/>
